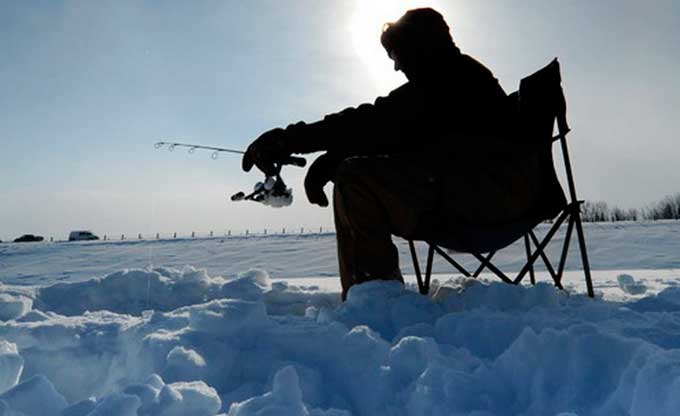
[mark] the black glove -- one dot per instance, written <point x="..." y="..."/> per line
<point x="267" y="150"/>
<point x="319" y="174"/>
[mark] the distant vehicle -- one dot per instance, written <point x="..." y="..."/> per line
<point x="82" y="236"/>
<point x="28" y="238"/>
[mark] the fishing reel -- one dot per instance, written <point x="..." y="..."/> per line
<point x="272" y="191"/>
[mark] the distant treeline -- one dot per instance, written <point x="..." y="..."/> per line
<point x="666" y="209"/>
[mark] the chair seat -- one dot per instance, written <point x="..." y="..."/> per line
<point x="484" y="239"/>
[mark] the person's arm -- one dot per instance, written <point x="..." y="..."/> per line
<point x="384" y="127"/>
<point x="390" y="125"/>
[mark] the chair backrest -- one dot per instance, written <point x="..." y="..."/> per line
<point x="541" y="102"/>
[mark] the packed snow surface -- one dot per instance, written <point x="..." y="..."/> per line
<point x="611" y="246"/>
<point x="168" y="340"/>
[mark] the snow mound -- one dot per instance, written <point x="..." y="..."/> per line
<point x="133" y="291"/>
<point x="199" y="345"/>
<point x="285" y="398"/>
<point x="164" y="289"/>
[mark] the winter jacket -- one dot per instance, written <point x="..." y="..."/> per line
<point x="459" y="122"/>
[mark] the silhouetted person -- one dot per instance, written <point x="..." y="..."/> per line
<point x="429" y="156"/>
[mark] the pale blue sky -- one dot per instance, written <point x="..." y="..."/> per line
<point x="87" y="87"/>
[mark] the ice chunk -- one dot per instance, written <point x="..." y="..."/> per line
<point x="146" y="393"/>
<point x="11" y="365"/>
<point x="247" y="286"/>
<point x="628" y="284"/>
<point x="33" y="316"/>
<point x="284" y="399"/>
<point x="657" y="386"/>
<point x="371" y="304"/>
<point x="155" y="381"/>
<point x="408" y="359"/>
<point x="369" y="353"/>
<point x="666" y="301"/>
<point x="194" y="398"/>
<point x="484" y="333"/>
<point x="363" y="342"/>
<point x="35" y="397"/>
<point x="625" y="279"/>
<point x="13" y="306"/>
<point x="228" y="316"/>
<point x="242" y="393"/>
<point x="118" y="404"/>
<point x="413" y="309"/>
<point x="6" y="411"/>
<point x="311" y="382"/>
<point x="184" y="365"/>
<point x="81" y="408"/>
<point x="257" y="276"/>
<point x="329" y="412"/>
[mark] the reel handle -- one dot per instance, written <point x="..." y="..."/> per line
<point x="300" y="162"/>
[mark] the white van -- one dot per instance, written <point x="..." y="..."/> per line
<point x="82" y="235"/>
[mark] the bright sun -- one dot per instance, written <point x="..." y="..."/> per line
<point x="366" y="27"/>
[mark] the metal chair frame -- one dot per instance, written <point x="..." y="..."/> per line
<point x="534" y="246"/>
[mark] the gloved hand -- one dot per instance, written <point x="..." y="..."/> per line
<point x="265" y="151"/>
<point x="319" y="174"/>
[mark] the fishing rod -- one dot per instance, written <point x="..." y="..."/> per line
<point x="290" y="160"/>
<point x="193" y="147"/>
<point x="272" y="191"/>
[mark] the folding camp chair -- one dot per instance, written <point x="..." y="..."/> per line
<point x="540" y="101"/>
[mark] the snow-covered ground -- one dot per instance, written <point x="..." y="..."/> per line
<point x="254" y="326"/>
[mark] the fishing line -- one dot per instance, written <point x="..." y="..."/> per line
<point x="150" y="251"/>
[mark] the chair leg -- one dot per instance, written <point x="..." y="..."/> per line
<point x="416" y="266"/>
<point x="481" y="267"/>
<point x="584" y="254"/>
<point x="573" y="212"/>
<point x="546" y="261"/>
<point x="527" y="247"/>
<point x="565" y="250"/>
<point x="428" y="270"/>
<point x="494" y="269"/>
<point x="541" y="246"/>
<point x="451" y="260"/>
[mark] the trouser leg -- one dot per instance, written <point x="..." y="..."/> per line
<point x="364" y="242"/>
<point x="374" y="198"/>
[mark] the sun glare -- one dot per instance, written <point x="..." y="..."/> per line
<point x="366" y="27"/>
